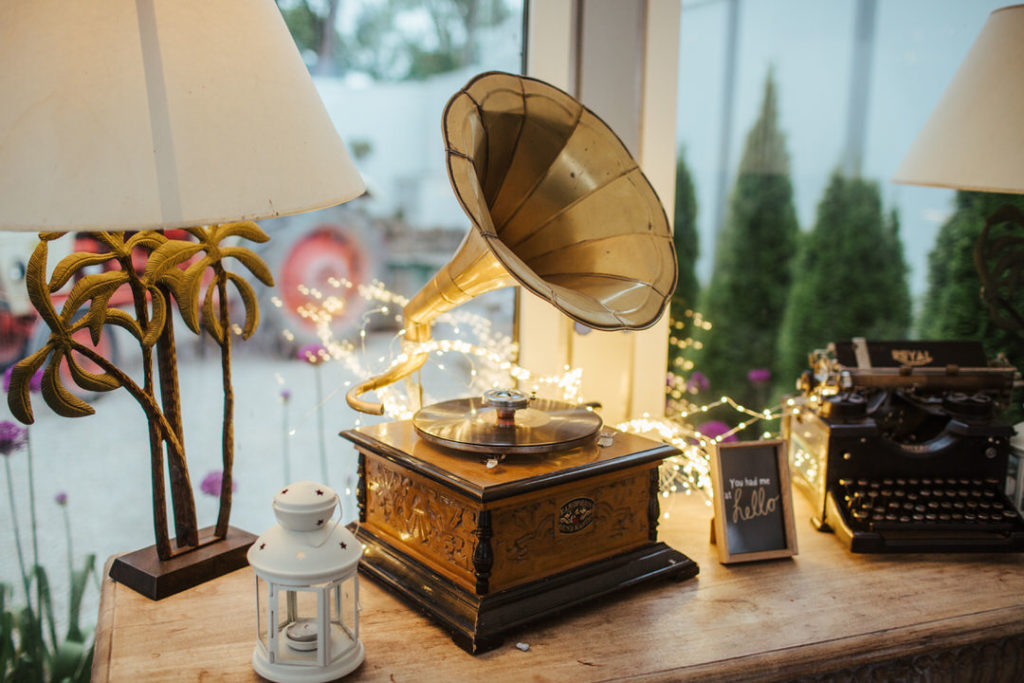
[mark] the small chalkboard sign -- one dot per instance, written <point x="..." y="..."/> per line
<point x="753" y="506"/>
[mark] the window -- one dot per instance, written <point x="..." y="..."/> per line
<point x="854" y="81"/>
<point x="390" y="68"/>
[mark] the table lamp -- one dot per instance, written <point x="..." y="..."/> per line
<point x="125" y="119"/>
<point x="974" y="140"/>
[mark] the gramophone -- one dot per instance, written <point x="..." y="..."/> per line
<point x="490" y="512"/>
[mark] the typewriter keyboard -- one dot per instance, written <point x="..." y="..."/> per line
<point x="936" y="504"/>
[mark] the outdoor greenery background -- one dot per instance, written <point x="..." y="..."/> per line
<point x="779" y="291"/>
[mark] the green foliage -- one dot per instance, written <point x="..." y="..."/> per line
<point x="747" y="293"/>
<point x="305" y="25"/>
<point x="684" y="238"/>
<point x="29" y="647"/>
<point x="377" y="46"/>
<point x="850" y="278"/>
<point x="952" y="307"/>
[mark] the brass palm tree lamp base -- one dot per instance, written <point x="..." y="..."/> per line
<point x="125" y="118"/>
<point x="173" y="275"/>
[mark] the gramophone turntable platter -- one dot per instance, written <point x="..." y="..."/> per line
<point x="472" y="424"/>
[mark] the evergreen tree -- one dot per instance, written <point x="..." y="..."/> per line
<point x="850" y="278"/>
<point x="747" y="293"/>
<point x="953" y="308"/>
<point x="684" y="237"/>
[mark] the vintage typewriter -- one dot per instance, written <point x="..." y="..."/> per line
<point x="900" y="448"/>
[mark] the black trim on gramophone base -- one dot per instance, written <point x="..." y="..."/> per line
<point x="477" y="623"/>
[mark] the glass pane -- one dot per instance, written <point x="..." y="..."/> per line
<point x="350" y="606"/>
<point x="394" y="65"/>
<point x="793" y="116"/>
<point x="298" y="632"/>
<point x="262" y="611"/>
<point x="343" y="633"/>
<point x="387" y="104"/>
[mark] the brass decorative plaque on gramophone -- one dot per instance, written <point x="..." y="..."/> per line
<point x="491" y="512"/>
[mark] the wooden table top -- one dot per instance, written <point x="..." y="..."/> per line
<point x="821" y="610"/>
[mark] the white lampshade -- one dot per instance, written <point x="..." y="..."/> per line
<point x="974" y="139"/>
<point x="145" y="114"/>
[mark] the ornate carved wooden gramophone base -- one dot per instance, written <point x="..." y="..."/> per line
<point x="485" y="549"/>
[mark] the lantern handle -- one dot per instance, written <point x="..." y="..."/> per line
<point x="337" y="500"/>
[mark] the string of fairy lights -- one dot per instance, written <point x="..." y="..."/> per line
<point x="491" y="357"/>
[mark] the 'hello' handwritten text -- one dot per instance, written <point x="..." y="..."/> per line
<point x="760" y="505"/>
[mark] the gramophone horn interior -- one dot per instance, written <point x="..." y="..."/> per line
<point x="560" y="201"/>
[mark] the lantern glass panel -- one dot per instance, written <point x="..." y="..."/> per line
<point x="262" y="612"/>
<point x="342" y="609"/>
<point x="298" y="638"/>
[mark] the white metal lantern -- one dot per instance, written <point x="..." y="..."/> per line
<point x="307" y="590"/>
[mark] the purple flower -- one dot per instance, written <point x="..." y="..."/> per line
<point x="12" y="437"/>
<point x="212" y="482"/>
<point x="697" y="382"/>
<point x="34" y="384"/>
<point x="716" y="428"/>
<point x="759" y="376"/>
<point x="314" y="354"/>
<point x="286" y="395"/>
<point x="61" y="498"/>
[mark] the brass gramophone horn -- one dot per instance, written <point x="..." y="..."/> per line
<point x="558" y="206"/>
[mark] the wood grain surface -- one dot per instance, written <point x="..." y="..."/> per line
<point x="818" y="613"/>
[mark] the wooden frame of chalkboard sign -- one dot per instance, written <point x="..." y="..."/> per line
<point x="753" y="503"/>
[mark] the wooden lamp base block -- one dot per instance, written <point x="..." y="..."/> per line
<point x="144" y="572"/>
<point x="477" y="623"/>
